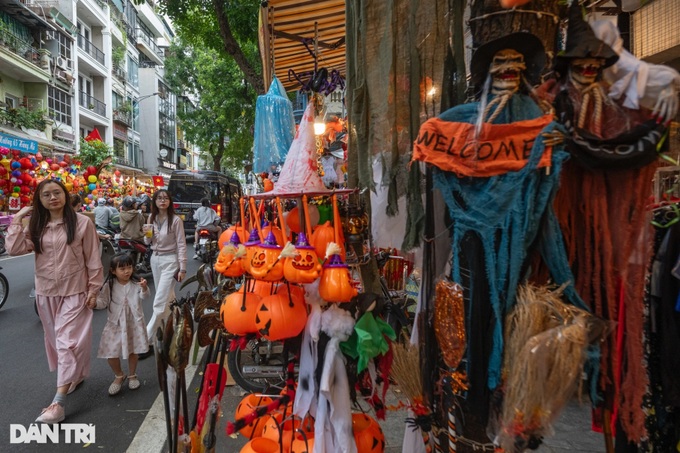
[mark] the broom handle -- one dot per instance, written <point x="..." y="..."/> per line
<point x="282" y="222"/>
<point x="452" y="432"/>
<point x="241" y="204"/>
<point x="256" y="218"/>
<point x="336" y="219"/>
<point x="308" y="223"/>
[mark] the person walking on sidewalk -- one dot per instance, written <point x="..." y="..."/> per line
<point x="165" y="233"/>
<point x="68" y="275"/>
<point x="124" y="334"/>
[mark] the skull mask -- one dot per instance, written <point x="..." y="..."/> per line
<point x="583" y="72"/>
<point x="506" y="68"/>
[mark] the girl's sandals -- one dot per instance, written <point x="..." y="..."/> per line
<point x="133" y="382"/>
<point x="116" y="385"/>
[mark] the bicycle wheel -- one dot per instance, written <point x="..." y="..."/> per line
<point x="4" y="290"/>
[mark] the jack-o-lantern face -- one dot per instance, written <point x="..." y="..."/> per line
<point x="304" y="267"/>
<point x="281" y="316"/>
<point x="265" y="264"/>
<point x="367" y="434"/>
<point x="229" y="261"/>
<point x="258" y="259"/>
<point x="247" y="405"/>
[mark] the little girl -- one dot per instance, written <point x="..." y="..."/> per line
<point x="125" y="332"/>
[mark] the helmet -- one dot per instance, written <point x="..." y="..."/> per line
<point x="128" y="202"/>
<point x="101" y="202"/>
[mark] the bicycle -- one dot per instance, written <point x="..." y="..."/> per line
<point x="4" y="289"/>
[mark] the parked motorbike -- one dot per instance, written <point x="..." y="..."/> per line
<point x="259" y="367"/>
<point x="4" y="289"/>
<point x="207" y="247"/>
<point x="141" y="254"/>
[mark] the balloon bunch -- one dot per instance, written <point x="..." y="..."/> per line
<point x="17" y="178"/>
<point x="91" y="177"/>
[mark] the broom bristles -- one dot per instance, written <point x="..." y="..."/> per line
<point x="406" y="370"/>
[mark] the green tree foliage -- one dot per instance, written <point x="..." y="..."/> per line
<point x="229" y="27"/>
<point x="221" y="123"/>
<point x="93" y="152"/>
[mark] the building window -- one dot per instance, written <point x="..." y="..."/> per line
<point x="11" y="102"/>
<point x="166" y="116"/>
<point x="133" y="154"/>
<point x="60" y="104"/>
<point x="64" y="45"/>
<point x="133" y="72"/>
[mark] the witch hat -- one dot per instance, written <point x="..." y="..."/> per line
<point x="582" y="43"/>
<point x="525" y="43"/>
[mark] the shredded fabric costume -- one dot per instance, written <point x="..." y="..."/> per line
<point x="496" y="221"/>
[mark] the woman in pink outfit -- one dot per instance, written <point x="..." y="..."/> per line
<point x="68" y="275"/>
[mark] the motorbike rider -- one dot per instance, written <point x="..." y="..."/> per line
<point x="206" y="219"/>
<point x="131" y="221"/>
<point x="102" y="214"/>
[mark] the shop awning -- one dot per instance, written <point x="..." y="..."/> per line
<point x="287" y="25"/>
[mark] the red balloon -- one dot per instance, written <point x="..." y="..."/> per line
<point x="117" y="172"/>
<point x="3" y="170"/>
<point x="26" y="178"/>
<point x="3" y="182"/>
<point x="54" y="167"/>
<point x="25" y="190"/>
<point x="92" y="170"/>
<point x="63" y="164"/>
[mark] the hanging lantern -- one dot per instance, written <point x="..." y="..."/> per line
<point x="367" y="434"/>
<point x="228" y="234"/>
<point x="302" y="444"/>
<point x="271" y="228"/>
<point x="266" y="263"/>
<point x="280" y="317"/>
<point x="252" y="246"/>
<point x="229" y="261"/>
<point x="261" y="445"/>
<point x="304" y="267"/>
<point x="247" y="405"/>
<point x="238" y="313"/>
<point x="335" y="284"/>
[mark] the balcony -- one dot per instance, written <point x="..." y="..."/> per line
<point x="91" y="49"/>
<point x="181" y="144"/>
<point x="122" y="117"/>
<point x="20" y="60"/>
<point x="91" y="103"/>
<point x="120" y="74"/>
<point x="148" y="46"/>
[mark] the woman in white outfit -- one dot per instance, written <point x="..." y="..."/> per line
<point x="169" y="256"/>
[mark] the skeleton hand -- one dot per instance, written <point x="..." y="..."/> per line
<point x="546" y="107"/>
<point x="553" y="138"/>
<point x="666" y="106"/>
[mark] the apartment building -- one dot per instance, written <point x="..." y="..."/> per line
<point x="80" y="61"/>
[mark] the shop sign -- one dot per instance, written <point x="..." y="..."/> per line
<point x="120" y="132"/>
<point x="20" y="144"/>
<point x="169" y="165"/>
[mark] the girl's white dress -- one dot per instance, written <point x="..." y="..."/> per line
<point x="125" y="329"/>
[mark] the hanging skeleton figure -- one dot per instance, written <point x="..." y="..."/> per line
<point x="498" y="162"/>
<point x="601" y="208"/>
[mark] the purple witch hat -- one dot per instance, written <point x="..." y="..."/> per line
<point x="302" y="242"/>
<point x="235" y="240"/>
<point x="254" y="238"/>
<point x="335" y="261"/>
<point x="270" y="241"/>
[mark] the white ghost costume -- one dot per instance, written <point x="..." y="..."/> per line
<point x="643" y="84"/>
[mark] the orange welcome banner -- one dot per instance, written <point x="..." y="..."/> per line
<point x="500" y="148"/>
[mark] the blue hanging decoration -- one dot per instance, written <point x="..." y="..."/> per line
<point x="274" y="128"/>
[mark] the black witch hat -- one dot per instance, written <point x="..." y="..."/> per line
<point x="582" y="43"/>
<point x="525" y="43"/>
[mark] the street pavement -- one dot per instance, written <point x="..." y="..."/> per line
<point x="134" y="421"/>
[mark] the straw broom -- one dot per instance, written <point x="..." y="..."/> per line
<point x="406" y="372"/>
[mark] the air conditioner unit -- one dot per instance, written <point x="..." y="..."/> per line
<point x="61" y="75"/>
<point x="62" y="62"/>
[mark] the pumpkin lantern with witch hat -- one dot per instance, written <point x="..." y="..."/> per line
<point x="252" y="246"/>
<point x="229" y="261"/>
<point x="266" y="262"/>
<point x="304" y="267"/>
<point x="335" y="284"/>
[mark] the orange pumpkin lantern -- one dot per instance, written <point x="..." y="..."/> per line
<point x="238" y="312"/>
<point x="302" y="444"/>
<point x="268" y="185"/>
<point x="265" y="263"/>
<point x="304" y="267"/>
<point x="229" y="261"/>
<point x="247" y="405"/>
<point x="281" y="432"/>
<point x="228" y="234"/>
<point x="280" y="316"/>
<point x="322" y="236"/>
<point x="293" y="220"/>
<point x="513" y="3"/>
<point x="335" y="284"/>
<point x="261" y="445"/>
<point x="367" y="434"/>
<point x="278" y="234"/>
<point x="252" y="246"/>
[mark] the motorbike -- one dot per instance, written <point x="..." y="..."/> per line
<point x="260" y="366"/>
<point x="4" y="289"/>
<point x="141" y="254"/>
<point x="207" y="247"/>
